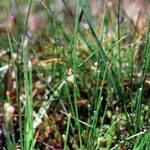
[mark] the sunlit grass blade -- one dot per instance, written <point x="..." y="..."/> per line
<point x="28" y="135"/>
<point x="18" y="87"/>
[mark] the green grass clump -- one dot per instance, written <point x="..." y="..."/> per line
<point x="73" y="87"/>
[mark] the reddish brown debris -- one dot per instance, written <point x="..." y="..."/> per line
<point x="8" y="25"/>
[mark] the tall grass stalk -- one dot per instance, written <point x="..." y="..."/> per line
<point x="138" y="109"/>
<point x="114" y="78"/>
<point x="119" y="49"/>
<point x="28" y="135"/>
<point x="92" y="132"/>
<point x="18" y="87"/>
<point x="74" y="61"/>
<point x="146" y="62"/>
<point x="26" y="21"/>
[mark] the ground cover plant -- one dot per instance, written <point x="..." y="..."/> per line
<point x="74" y="75"/>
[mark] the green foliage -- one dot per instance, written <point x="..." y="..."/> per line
<point x="75" y="87"/>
